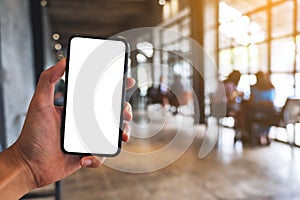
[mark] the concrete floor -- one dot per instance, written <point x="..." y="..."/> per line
<point x="228" y="172"/>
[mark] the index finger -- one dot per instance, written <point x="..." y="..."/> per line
<point x="47" y="80"/>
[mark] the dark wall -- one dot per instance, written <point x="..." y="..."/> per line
<point x="17" y="74"/>
<point x="2" y="120"/>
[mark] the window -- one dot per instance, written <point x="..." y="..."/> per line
<point x="297" y="84"/>
<point x="240" y="59"/>
<point x="251" y="39"/>
<point x="298" y="53"/>
<point x="258" y="26"/>
<point x="281" y="14"/>
<point x="246" y="6"/>
<point x="283" y="83"/>
<point x="283" y="53"/>
<point x="225" y="62"/>
<point x="258" y="58"/>
<point x="245" y="37"/>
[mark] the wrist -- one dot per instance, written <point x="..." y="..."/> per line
<point x="16" y="178"/>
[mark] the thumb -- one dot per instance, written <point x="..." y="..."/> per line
<point x="47" y="80"/>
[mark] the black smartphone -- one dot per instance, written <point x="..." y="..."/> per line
<point x="95" y="81"/>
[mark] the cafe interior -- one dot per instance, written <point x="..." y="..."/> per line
<point x="182" y="55"/>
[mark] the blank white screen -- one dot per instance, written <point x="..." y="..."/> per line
<point x="94" y="96"/>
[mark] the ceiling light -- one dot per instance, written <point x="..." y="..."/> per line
<point x="57" y="46"/>
<point x="141" y="58"/>
<point x="55" y="36"/>
<point x="146" y="48"/>
<point x="44" y="3"/>
<point x="162" y="2"/>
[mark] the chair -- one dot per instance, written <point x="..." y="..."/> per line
<point x="280" y="117"/>
<point x="261" y="118"/>
<point x="291" y="114"/>
<point x="225" y="116"/>
<point x="154" y="96"/>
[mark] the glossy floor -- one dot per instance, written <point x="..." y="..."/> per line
<point x="227" y="172"/>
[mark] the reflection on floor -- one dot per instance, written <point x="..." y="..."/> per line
<point x="228" y="172"/>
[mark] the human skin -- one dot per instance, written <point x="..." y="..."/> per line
<point x="35" y="159"/>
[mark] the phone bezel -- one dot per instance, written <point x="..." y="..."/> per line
<point x="125" y="68"/>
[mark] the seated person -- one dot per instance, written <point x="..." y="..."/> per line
<point x="263" y="92"/>
<point x="262" y="105"/>
<point x="154" y="96"/>
<point x="224" y="99"/>
<point x="234" y="104"/>
<point x="158" y="94"/>
<point x="231" y="90"/>
<point x="179" y="93"/>
<point x="163" y="90"/>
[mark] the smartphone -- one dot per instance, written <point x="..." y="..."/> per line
<point x="95" y="81"/>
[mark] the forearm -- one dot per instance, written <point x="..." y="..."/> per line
<point x="15" y="178"/>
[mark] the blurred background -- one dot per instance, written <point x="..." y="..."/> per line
<point x="254" y="153"/>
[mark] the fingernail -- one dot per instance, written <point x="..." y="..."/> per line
<point x="125" y="137"/>
<point x="87" y="163"/>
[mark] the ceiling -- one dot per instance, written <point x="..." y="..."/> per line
<point x="101" y="18"/>
<point x="246" y="6"/>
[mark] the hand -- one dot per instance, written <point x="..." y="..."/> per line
<point x="38" y="148"/>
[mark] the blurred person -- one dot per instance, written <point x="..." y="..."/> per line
<point x="179" y="94"/>
<point x="35" y="159"/>
<point x="59" y="93"/>
<point x="154" y="96"/>
<point x="157" y="93"/>
<point x="262" y="104"/>
<point x="163" y="90"/>
<point x="231" y="89"/>
<point x="263" y="92"/>
<point x="229" y="101"/>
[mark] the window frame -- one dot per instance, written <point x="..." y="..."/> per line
<point x="270" y="5"/>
